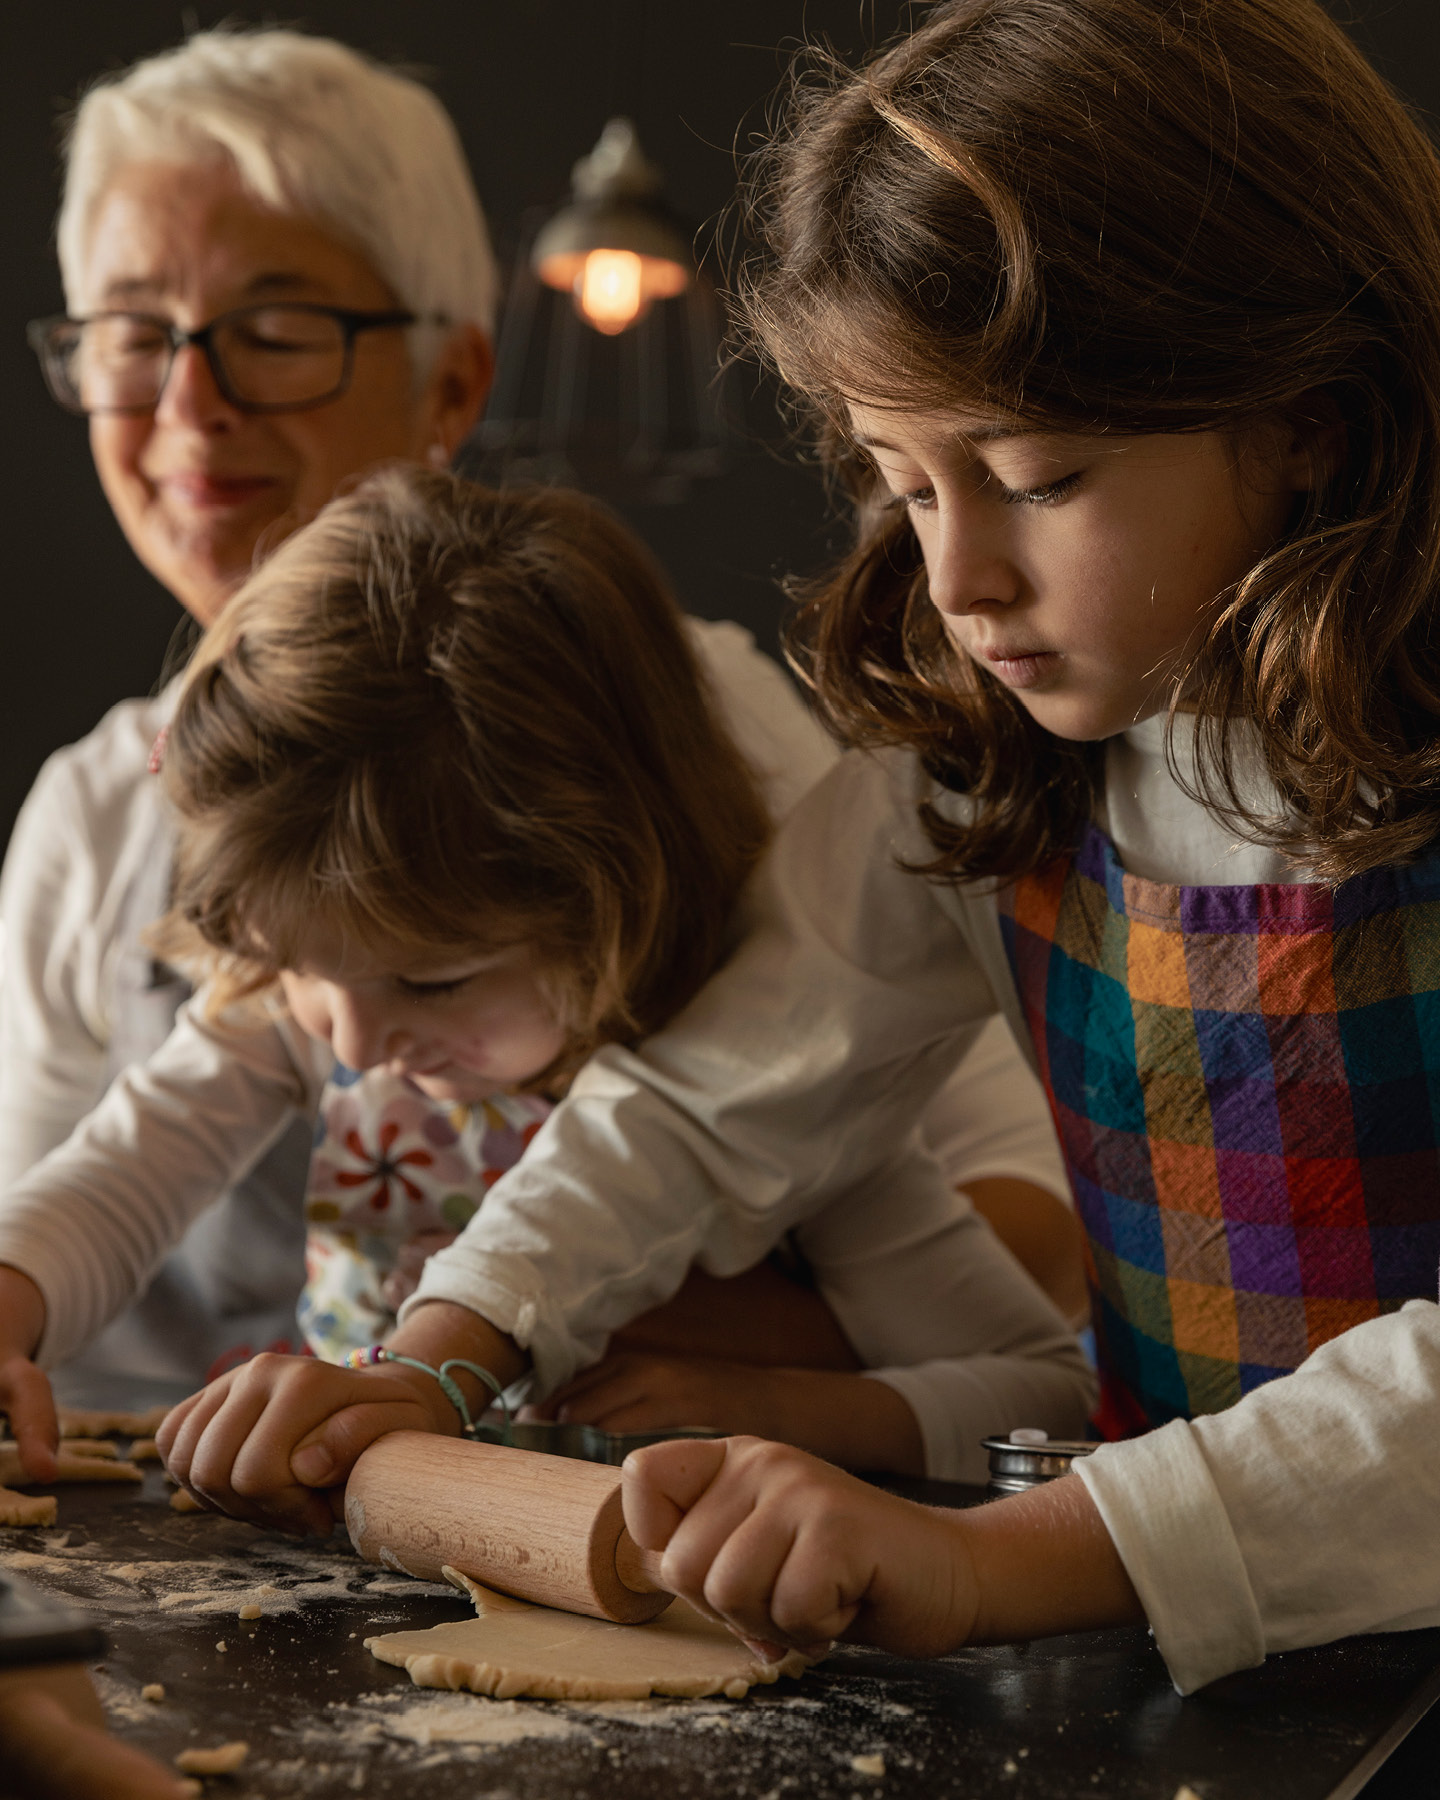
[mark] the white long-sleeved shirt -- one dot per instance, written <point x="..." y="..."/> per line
<point x="926" y="1295"/>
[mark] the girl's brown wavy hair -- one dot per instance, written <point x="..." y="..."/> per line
<point x="450" y="718"/>
<point x="1129" y="216"/>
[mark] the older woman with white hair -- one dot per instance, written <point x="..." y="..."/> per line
<point x="277" y="274"/>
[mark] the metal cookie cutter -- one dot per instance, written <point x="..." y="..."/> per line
<point x="1029" y="1457"/>
<point x="588" y="1443"/>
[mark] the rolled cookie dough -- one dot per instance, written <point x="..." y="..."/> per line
<point x="511" y="1647"/>
<point x="82" y="1422"/>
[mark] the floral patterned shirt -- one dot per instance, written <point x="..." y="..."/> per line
<point x="394" y="1176"/>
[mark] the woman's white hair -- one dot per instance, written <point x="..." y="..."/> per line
<point x="310" y="127"/>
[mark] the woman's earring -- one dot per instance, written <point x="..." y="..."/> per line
<point x="437" y="456"/>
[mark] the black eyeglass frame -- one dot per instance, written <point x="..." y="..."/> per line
<point x="39" y="334"/>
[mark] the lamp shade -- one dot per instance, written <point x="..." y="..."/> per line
<point x="607" y="369"/>
<point x="614" y="246"/>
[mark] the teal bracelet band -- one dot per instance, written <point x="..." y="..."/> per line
<point x="377" y="1353"/>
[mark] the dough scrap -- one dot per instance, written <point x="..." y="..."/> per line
<point x="93" y="1422"/>
<point x="224" y="1759"/>
<point x="69" y="1467"/>
<point x="26" y="1509"/>
<point x="41" y="1509"/>
<point x="512" y="1648"/>
<point x="183" y="1501"/>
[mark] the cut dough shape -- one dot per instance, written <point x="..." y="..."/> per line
<point x="89" y="1422"/>
<point x="26" y="1509"/>
<point x="224" y="1759"/>
<point x="183" y="1501"/>
<point x="511" y="1648"/>
<point x="101" y="1447"/>
<point x="144" y="1450"/>
<point x="69" y="1467"/>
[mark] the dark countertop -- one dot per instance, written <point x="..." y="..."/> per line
<point x="1052" y="1720"/>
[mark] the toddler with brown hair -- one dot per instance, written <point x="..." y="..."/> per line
<point x="457" y="805"/>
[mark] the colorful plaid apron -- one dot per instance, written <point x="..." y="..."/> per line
<point x="1246" y="1084"/>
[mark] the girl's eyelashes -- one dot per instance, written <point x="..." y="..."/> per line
<point x="1048" y="495"/>
<point x="922" y="499"/>
<point x="432" y="990"/>
<point x="915" y="500"/>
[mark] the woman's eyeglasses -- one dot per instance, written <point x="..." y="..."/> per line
<point x="265" y="359"/>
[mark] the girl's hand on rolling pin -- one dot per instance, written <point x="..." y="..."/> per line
<point x="273" y="1440"/>
<point x="25" y="1396"/>
<point x="792" y="1553"/>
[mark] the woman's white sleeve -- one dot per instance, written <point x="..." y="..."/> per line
<point x="1308" y="1511"/>
<point x="793" y="1076"/>
<point x="91" y="1222"/>
<point x="52" y="1056"/>
<point x="991" y="1118"/>
<point x="937" y="1308"/>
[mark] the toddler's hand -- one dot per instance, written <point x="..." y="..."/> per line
<point x="259" y="1442"/>
<point x="791" y="1553"/>
<point x="633" y="1391"/>
<point x="25" y="1396"/>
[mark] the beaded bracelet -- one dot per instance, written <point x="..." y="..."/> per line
<point x="375" y="1354"/>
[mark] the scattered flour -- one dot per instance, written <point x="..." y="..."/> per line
<point x="454" y="1721"/>
<point x="465" y="1723"/>
<point x="275" y="1576"/>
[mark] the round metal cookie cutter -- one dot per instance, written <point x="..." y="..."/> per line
<point x="1029" y="1457"/>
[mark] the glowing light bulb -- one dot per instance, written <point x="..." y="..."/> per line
<point x="610" y="290"/>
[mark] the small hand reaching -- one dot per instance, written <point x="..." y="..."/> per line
<point x="845" y="1418"/>
<point x="633" y="1390"/>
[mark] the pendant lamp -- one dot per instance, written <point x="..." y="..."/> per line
<point x="607" y="365"/>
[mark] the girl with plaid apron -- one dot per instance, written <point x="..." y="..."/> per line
<point x="1245" y="1084"/>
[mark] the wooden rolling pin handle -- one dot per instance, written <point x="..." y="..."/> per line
<point x="544" y="1528"/>
<point x="639" y="1569"/>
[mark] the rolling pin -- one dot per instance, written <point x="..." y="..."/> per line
<point x="544" y="1528"/>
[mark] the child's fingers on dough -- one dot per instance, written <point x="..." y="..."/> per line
<point x="660" y="1484"/>
<point x="25" y="1396"/>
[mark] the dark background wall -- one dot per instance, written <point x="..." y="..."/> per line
<point x="529" y="83"/>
